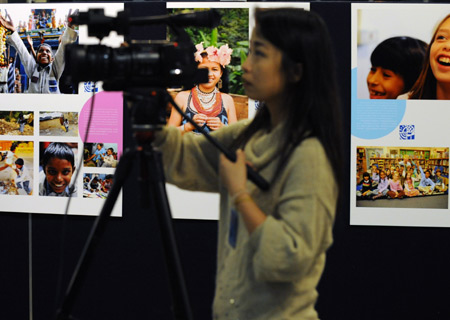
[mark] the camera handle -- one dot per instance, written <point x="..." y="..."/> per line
<point x="153" y="182"/>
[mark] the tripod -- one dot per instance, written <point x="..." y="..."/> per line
<point x="153" y="181"/>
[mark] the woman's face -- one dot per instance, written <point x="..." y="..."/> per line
<point x="214" y="74"/>
<point x="440" y="53"/>
<point x="263" y="78"/>
<point x="58" y="173"/>
<point x="384" y="83"/>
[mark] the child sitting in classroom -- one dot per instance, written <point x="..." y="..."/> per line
<point x="366" y="186"/>
<point x="383" y="186"/>
<point x="439" y="181"/>
<point x="388" y="173"/>
<point x="395" y="185"/>
<point x="426" y="185"/>
<point x="58" y="163"/>
<point x="410" y="191"/>
<point x="375" y="175"/>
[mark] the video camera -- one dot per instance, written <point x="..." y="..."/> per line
<point x="137" y="65"/>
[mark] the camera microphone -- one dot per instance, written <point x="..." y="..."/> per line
<point x="100" y="25"/>
<point x="209" y="19"/>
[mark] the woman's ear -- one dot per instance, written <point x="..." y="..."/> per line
<point x="296" y="72"/>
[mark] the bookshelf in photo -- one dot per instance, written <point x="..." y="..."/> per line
<point x="390" y="157"/>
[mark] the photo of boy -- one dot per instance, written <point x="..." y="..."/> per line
<point x="24" y="179"/>
<point x="57" y="169"/>
<point x="45" y="69"/>
<point x="16" y="167"/>
<point x="16" y="123"/>
<point x="58" y="124"/>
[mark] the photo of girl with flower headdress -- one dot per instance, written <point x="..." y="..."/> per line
<point x="218" y="102"/>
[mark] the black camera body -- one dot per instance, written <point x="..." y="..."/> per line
<point x="137" y="65"/>
<point x="163" y="64"/>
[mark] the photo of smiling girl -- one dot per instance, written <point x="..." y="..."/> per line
<point x="205" y="104"/>
<point x="57" y="169"/>
<point x="396" y="65"/>
<point x="434" y="80"/>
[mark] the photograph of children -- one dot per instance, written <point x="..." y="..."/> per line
<point x="97" y="185"/>
<point x="35" y="43"/>
<point x="100" y="155"/>
<point x="16" y="123"/>
<point x="16" y="167"/>
<point x="416" y="176"/>
<point x="57" y="168"/>
<point x="58" y="124"/>
<point x="400" y="60"/>
<point x="221" y="51"/>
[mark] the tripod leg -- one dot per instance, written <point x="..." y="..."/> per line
<point x="182" y="308"/>
<point x="121" y="174"/>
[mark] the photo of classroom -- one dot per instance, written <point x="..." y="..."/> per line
<point x="16" y="167"/>
<point x="97" y="185"/>
<point x="58" y="124"/>
<point x="16" y="123"/>
<point x="402" y="177"/>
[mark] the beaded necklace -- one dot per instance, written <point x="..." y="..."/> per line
<point x="209" y="104"/>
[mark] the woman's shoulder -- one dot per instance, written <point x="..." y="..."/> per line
<point x="310" y="153"/>
<point x="183" y="94"/>
<point x="311" y="145"/>
<point x="227" y="98"/>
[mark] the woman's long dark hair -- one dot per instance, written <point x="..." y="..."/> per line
<point x="425" y="86"/>
<point x="311" y="104"/>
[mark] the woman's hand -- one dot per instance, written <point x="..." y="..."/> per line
<point x="234" y="177"/>
<point x="200" y="120"/>
<point x="233" y="174"/>
<point x="214" y="123"/>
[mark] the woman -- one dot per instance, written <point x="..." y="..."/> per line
<point x="272" y="244"/>
<point x="434" y="80"/>
<point x="204" y="103"/>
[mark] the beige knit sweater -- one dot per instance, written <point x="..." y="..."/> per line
<point x="272" y="273"/>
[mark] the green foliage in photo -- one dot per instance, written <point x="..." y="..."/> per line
<point x="232" y="30"/>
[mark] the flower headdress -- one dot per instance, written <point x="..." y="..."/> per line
<point x="221" y="55"/>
